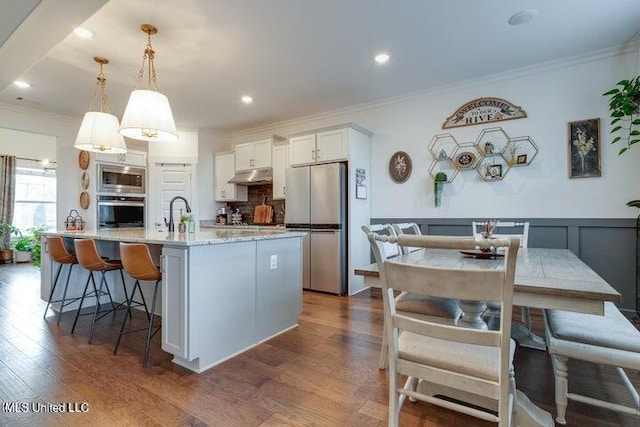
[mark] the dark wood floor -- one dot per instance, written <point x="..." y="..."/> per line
<point x="324" y="373"/>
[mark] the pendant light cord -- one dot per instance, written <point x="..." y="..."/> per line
<point x="101" y="81"/>
<point x="147" y="58"/>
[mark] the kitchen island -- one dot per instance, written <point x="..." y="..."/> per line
<point x="223" y="291"/>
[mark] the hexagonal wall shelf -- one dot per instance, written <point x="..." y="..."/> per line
<point x="492" y="154"/>
<point x="520" y="151"/>
<point x="443" y="146"/>
<point x="492" y="141"/>
<point x="493" y="168"/>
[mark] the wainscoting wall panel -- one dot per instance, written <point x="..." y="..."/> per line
<point x="607" y="245"/>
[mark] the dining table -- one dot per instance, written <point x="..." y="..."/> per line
<point x="544" y="278"/>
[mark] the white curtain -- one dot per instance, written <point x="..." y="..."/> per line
<point x="7" y="187"/>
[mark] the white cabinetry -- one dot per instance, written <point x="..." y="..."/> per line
<point x="280" y="166"/>
<point x="224" y="165"/>
<point x="253" y="155"/>
<point x="321" y="147"/>
<point x="131" y="158"/>
<point x="206" y="321"/>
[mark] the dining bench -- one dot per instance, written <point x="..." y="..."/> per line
<point x="606" y="340"/>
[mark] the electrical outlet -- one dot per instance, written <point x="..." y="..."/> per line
<point x="274" y="262"/>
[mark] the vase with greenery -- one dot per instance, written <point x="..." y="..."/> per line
<point x="438" y="182"/>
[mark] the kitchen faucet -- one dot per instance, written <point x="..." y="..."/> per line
<point x="171" y="227"/>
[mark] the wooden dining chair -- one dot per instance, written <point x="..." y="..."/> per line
<point x="407" y="228"/>
<point x="390" y="249"/>
<point x="437" y="309"/>
<point x="521" y="332"/>
<point x="462" y="369"/>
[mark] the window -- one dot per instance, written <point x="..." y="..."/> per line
<point x="35" y="201"/>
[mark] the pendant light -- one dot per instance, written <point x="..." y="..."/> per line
<point x="99" y="129"/>
<point x="148" y="114"/>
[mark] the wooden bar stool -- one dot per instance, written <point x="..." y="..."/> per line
<point x="58" y="253"/>
<point x="138" y="264"/>
<point x="89" y="258"/>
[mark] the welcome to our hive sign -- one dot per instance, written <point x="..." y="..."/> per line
<point x="482" y="111"/>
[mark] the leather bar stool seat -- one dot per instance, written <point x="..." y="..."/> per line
<point x="58" y="253"/>
<point x="89" y="258"/>
<point x="138" y="264"/>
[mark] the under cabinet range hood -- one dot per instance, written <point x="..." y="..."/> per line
<point x="253" y="177"/>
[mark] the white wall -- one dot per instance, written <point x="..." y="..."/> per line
<point x="551" y="94"/>
<point x="27" y="145"/>
<point x="64" y="130"/>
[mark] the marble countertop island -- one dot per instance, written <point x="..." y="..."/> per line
<point x="205" y="236"/>
<point x="223" y="290"/>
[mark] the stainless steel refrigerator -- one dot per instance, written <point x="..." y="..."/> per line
<point x="316" y="203"/>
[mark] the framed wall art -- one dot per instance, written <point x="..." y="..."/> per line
<point x="583" y="148"/>
<point x="361" y="183"/>
<point x="400" y="167"/>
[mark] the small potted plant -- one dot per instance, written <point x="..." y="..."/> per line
<point x="438" y="181"/>
<point x="6" y="231"/>
<point x="23" y="248"/>
<point x="182" y="226"/>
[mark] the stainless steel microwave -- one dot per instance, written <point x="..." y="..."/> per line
<point x="120" y="179"/>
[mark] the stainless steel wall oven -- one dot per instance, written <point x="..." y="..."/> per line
<point x="115" y="211"/>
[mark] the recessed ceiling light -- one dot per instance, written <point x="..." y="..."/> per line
<point x="523" y="17"/>
<point x="83" y="32"/>
<point x="381" y="58"/>
<point x="21" y="84"/>
<point x="247" y="99"/>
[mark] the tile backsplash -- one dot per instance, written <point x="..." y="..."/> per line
<point x="256" y="195"/>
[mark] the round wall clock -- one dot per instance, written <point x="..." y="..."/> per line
<point x="83" y="159"/>
<point x="400" y="167"/>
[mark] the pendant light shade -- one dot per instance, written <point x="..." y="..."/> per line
<point x="148" y="115"/>
<point x="99" y="132"/>
<point x="99" y="129"/>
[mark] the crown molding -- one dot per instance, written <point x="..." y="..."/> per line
<point x="212" y="132"/>
<point x="39" y="113"/>
<point x="513" y="74"/>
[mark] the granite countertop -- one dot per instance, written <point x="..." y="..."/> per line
<point x="208" y="223"/>
<point x="211" y="236"/>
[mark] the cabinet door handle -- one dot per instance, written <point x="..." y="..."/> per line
<point x="284" y="190"/>
<point x="318" y="154"/>
<point x="313" y="154"/>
